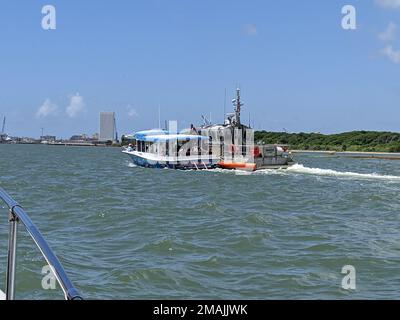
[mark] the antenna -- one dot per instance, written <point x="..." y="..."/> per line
<point x="4" y="125"/>
<point x="223" y="119"/>
<point x="237" y="103"/>
<point x="206" y="121"/>
<point x="159" y="116"/>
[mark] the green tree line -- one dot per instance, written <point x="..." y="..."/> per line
<point x="369" y="141"/>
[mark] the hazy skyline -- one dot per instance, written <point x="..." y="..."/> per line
<point x="297" y="68"/>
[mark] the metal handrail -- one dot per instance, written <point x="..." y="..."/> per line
<point x="16" y="214"/>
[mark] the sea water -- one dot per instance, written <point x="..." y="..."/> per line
<point x="125" y="232"/>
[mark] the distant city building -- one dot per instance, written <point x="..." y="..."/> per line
<point x="25" y="140"/>
<point x="107" y="127"/>
<point x="78" y="137"/>
<point x="48" y="138"/>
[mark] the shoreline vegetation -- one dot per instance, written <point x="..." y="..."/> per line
<point x="347" y="142"/>
<point x="353" y="154"/>
<point x="369" y="143"/>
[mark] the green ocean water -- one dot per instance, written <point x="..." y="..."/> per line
<point x="124" y="232"/>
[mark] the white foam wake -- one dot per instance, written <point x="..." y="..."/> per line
<point x="131" y="165"/>
<point x="299" y="168"/>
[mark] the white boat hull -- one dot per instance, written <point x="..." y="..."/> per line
<point x="148" y="160"/>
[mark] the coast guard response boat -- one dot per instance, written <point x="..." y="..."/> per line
<point x="229" y="146"/>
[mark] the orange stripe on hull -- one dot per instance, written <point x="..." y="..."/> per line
<point x="237" y="165"/>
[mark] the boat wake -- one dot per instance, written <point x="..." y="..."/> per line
<point x="131" y="165"/>
<point x="299" y="168"/>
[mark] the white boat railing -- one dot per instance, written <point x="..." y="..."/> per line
<point x="16" y="215"/>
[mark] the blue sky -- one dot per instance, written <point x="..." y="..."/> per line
<point x="298" y="69"/>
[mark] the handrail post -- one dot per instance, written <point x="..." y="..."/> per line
<point x="16" y="215"/>
<point x="12" y="256"/>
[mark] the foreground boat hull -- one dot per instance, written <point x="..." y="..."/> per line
<point x="253" y="166"/>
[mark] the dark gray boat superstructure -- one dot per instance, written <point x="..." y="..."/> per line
<point x="273" y="157"/>
<point x="244" y="150"/>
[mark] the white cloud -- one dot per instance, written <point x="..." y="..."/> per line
<point x="250" y="30"/>
<point x="46" y="109"/>
<point x="388" y="3"/>
<point x="392" y="54"/>
<point x="389" y="34"/>
<point x="76" y="105"/>
<point x="132" y="112"/>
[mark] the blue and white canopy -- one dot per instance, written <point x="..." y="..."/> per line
<point x="155" y="135"/>
<point x="170" y="137"/>
<point x="141" y="135"/>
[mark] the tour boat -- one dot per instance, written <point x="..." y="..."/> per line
<point x="162" y="149"/>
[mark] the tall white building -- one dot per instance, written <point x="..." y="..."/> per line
<point x="107" y="126"/>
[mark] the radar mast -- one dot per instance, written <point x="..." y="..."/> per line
<point x="237" y="103"/>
